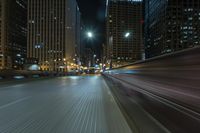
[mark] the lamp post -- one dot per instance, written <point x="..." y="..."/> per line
<point x="94" y="58"/>
<point x="127" y="34"/>
<point x="90" y="34"/>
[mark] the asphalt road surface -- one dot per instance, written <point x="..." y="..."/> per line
<point x="61" y="105"/>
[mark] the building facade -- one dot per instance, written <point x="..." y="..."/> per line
<point x="13" y="33"/>
<point x="124" y="25"/>
<point x="171" y="25"/>
<point x="79" y="46"/>
<point x="52" y="33"/>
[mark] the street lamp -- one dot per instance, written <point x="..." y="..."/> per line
<point x="127" y="34"/>
<point x="94" y="56"/>
<point x="90" y="34"/>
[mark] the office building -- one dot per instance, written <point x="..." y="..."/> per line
<point x="171" y="25"/>
<point x="79" y="30"/>
<point x="13" y="33"/>
<point x="124" y="25"/>
<point x="52" y="37"/>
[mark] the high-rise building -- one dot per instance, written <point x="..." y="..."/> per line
<point x="52" y="33"/>
<point x="13" y="33"/>
<point x="79" y="46"/>
<point x="124" y="25"/>
<point x="171" y="25"/>
<point x="89" y="57"/>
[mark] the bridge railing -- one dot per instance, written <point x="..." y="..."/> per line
<point x="184" y="64"/>
<point x="177" y="73"/>
<point x="168" y="85"/>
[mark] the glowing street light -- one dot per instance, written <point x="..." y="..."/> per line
<point x="90" y="35"/>
<point x="127" y="34"/>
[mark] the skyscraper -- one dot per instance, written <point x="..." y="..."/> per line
<point x="124" y="25"/>
<point x="79" y="46"/>
<point x="13" y="33"/>
<point x="171" y="25"/>
<point x="52" y="33"/>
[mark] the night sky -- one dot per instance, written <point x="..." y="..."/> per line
<point x="93" y="15"/>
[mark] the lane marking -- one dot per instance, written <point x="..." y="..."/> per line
<point x="12" y="86"/>
<point x="14" y="102"/>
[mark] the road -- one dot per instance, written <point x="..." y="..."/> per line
<point x="62" y="105"/>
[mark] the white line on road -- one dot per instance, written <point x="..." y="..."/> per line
<point x="13" y="86"/>
<point x="14" y="102"/>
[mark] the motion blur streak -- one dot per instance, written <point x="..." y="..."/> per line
<point x="166" y="87"/>
<point x="60" y="105"/>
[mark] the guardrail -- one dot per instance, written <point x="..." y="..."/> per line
<point x="172" y="80"/>
<point x="184" y="64"/>
<point x="180" y="70"/>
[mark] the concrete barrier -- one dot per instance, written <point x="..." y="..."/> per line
<point x="183" y="65"/>
<point x="164" y="86"/>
